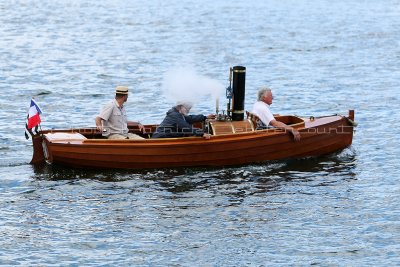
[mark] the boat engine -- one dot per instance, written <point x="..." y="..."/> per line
<point x="233" y="121"/>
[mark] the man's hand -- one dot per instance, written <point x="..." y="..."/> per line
<point x="211" y="116"/>
<point x="296" y="135"/>
<point x="99" y="124"/>
<point x="207" y="136"/>
<point x="141" y="128"/>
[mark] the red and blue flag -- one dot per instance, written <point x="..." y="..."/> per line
<point x="32" y="119"/>
<point x="34" y="115"/>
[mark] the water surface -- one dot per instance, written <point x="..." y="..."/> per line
<point x="320" y="57"/>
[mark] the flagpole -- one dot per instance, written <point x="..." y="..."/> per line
<point x="40" y="127"/>
<point x="38" y="112"/>
<point x="26" y="125"/>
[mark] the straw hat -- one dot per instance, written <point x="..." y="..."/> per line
<point x="123" y="90"/>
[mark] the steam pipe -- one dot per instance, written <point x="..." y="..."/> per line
<point x="229" y="94"/>
<point x="238" y="88"/>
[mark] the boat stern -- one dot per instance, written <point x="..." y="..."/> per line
<point x="38" y="154"/>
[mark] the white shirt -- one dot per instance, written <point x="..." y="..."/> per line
<point x="261" y="109"/>
<point x="115" y="119"/>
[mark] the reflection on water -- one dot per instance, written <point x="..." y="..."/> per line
<point x="201" y="208"/>
<point x="266" y="175"/>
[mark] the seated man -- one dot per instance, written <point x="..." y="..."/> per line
<point x="112" y="121"/>
<point x="177" y="123"/>
<point x="261" y="109"/>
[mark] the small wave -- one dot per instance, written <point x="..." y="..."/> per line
<point x="104" y="76"/>
<point x="12" y="163"/>
<point x="44" y="93"/>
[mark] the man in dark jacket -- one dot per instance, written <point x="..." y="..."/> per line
<point x="177" y="123"/>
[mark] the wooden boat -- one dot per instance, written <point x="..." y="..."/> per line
<point x="232" y="143"/>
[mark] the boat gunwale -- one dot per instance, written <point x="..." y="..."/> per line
<point x="184" y="141"/>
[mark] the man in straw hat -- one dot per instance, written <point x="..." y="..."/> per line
<point x="112" y="121"/>
<point x="177" y="122"/>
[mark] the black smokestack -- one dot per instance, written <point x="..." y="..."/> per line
<point x="238" y="88"/>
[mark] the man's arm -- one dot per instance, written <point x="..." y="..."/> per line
<point x="281" y="125"/>
<point x="99" y="125"/>
<point x="195" y="118"/>
<point x="103" y="116"/>
<point x="137" y="124"/>
<point x="185" y="127"/>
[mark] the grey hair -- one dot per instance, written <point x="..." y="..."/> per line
<point x="262" y="92"/>
<point x="188" y="105"/>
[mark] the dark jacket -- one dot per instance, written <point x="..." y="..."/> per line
<point x="177" y="125"/>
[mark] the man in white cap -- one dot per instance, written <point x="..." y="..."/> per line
<point x="113" y="121"/>
<point x="177" y="122"/>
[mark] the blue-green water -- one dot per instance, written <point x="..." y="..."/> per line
<point x="320" y="57"/>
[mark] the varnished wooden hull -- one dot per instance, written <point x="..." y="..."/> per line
<point x="320" y="136"/>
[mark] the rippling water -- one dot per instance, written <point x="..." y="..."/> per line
<point x="320" y="57"/>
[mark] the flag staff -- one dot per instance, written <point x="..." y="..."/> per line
<point x="33" y="119"/>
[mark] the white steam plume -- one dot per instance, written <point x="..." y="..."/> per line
<point x="184" y="84"/>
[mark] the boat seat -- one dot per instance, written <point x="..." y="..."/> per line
<point x="64" y="137"/>
<point x="253" y="118"/>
